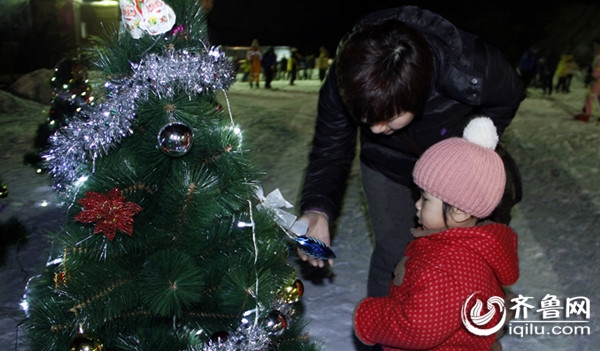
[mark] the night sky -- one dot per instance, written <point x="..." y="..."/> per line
<point x="308" y="24"/>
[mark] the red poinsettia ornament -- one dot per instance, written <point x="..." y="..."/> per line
<point x="109" y="212"/>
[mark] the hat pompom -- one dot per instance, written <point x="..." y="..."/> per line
<point x="482" y="131"/>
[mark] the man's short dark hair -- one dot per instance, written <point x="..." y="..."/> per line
<point x="384" y="70"/>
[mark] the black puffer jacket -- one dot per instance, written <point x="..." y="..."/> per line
<point x="470" y="78"/>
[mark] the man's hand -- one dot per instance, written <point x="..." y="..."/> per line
<point x="318" y="228"/>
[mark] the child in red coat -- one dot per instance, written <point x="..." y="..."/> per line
<point x="457" y="261"/>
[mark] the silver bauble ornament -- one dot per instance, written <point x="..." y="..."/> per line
<point x="175" y="139"/>
<point x="275" y="323"/>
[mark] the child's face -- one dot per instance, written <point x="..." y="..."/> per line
<point x="430" y="212"/>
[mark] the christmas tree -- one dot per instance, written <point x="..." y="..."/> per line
<point x="168" y="242"/>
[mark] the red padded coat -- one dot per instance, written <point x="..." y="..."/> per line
<point x="442" y="271"/>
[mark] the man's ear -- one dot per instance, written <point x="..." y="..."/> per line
<point x="459" y="216"/>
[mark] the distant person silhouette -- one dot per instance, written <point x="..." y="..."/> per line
<point x="593" y="88"/>
<point x="254" y="57"/>
<point x="269" y="65"/>
<point x="323" y="62"/>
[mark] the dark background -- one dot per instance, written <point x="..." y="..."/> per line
<point x="556" y="27"/>
<point x="513" y="26"/>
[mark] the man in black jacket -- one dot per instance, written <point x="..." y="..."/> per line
<point x="406" y="78"/>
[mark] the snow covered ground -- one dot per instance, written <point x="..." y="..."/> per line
<point x="557" y="221"/>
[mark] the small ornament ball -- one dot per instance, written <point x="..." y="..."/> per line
<point x="293" y="292"/>
<point x="3" y="190"/>
<point x="175" y="139"/>
<point x="275" y="323"/>
<point x="86" y="342"/>
<point x="60" y="280"/>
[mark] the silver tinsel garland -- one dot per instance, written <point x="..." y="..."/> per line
<point x="98" y="129"/>
<point x="259" y="335"/>
<point x="247" y="338"/>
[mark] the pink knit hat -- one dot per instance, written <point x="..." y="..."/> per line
<point x="465" y="172"/>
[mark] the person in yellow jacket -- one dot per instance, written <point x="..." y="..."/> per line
<point x="293" y="65"/>
<point x="323" y="62"/>
<point x="564" y="72"/>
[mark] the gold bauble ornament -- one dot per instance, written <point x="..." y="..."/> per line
<point x="293" y="292"/>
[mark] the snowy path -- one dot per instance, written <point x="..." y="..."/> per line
<point x="557" y="220"/>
